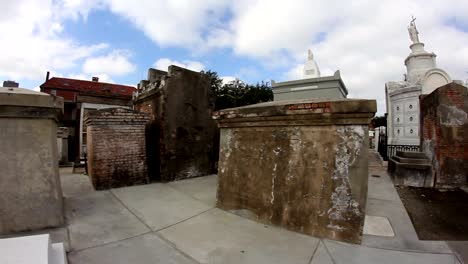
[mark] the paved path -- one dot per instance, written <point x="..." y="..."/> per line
<point x="178" y="223"/>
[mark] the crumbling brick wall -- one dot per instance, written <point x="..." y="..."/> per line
<point x="444" y="125"/>
<point x="116" y="147"/>
<point x="180" y="139"/>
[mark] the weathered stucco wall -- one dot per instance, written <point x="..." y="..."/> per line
<point x="116" y="147"/>
<point x="31" y="194"/>
<point x="181" y="136"/>
<point x="300" y="165"/>
<point x="444" y="119"/>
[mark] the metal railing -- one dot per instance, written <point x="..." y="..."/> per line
<point x="392" y="149"/>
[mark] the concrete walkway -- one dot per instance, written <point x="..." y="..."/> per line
<point x="178" y="223"/>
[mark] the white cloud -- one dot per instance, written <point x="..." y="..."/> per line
<point x="31" y="42"/>
<point x="163" y="63"/>
<point x="181" y="22"/>
<point x="366" y="40"/>
<point x="228" y="79"/>
<point x="87" y="77"/>
<point x="115" y="63"/>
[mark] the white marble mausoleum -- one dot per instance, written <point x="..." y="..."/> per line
<point x="402" y="97"/>
<point x="311" y="85"/>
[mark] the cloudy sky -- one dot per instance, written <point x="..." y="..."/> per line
<point x="118" y="40"/>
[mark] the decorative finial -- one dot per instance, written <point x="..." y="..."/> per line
<point x="310" y="55"/>
<point x="413" y="31"/>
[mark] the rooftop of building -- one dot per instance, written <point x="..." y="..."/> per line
<point x="88" y="86"/>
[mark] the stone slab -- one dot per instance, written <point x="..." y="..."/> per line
<point x="13" y="250"/>
<point x="377" y="226"/>
<point x="352" y="108"/>
<point x="28" y="98"/>
<point x="58" y="254"/>
<point x="342" y="253"/>
<point x="144" y="249"/>
<point x="57" y="235"/>
<point x="220" y="237"/>
<point x="200" y="188"/>
<point x="159" y="205"/>
<point x="98" y="218"/>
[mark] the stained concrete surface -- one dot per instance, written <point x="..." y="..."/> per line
<point x="145" y="249"/>
<point x="351" y="254"/>
<point x="220" y="237"/>
<point x="159" y="205"/>
<point x="99" y="218"/>
<point x="202" y="188"/>
<point x="321" y="255"/>
<point x="215" y="236"/>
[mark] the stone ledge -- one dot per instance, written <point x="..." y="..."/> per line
<point x="346" y="107"/>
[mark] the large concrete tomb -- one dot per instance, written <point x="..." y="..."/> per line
<point x="301" y="165"/>
<point x="31" y="195"/>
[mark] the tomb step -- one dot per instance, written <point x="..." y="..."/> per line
<point x="39" y="250"/>
<point x="411" y="160"/>
<point x="411" y="169"/>
<point x="411" y="154"/>
<point x="58" y="256"/>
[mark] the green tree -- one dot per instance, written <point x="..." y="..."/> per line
<point x="379" y="121"/>
<point x="238" y="93"/>
<point x="216" y="82"/>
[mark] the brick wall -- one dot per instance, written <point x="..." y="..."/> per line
<point x="444" y="122"/>
<point x="146" y="106"/>
<point x="116" y="147"/>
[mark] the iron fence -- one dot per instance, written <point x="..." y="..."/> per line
<point x="392" y="149"/>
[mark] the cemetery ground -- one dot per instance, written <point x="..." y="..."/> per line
<point x="178" y="222"/>
<point x="437" y="214"/>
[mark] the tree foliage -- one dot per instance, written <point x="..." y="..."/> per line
<point x="379" y="121"/>
<point x="237" y="93"/>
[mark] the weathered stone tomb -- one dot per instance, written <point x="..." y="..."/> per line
<point x="180" y="136"/>
<point x="31" y="194"/>
<point x="301" y="165"/>
<point x="444" y="139"/>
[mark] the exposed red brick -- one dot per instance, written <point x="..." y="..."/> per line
<point x="116" y="147"/>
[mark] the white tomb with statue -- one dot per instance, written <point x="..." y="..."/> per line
<point x="312" y="85"/>
<point x="402" y="97"/>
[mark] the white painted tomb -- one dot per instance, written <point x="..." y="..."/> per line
<point x="311" y="85"/>
<point x="402" y="97"/>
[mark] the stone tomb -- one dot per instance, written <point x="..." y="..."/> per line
<point x="444" y="139"/>
<point x="180" y="136"/>
<point x="116" y="147"/>
<point x="301" y="165"/>
<point x="31" y="194"/>
<point x="410" y="169"/>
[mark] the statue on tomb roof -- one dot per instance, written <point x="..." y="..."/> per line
<point x="310" y="55"/>
<point x="413" y="31"/>
<point x="311" y="69"/>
